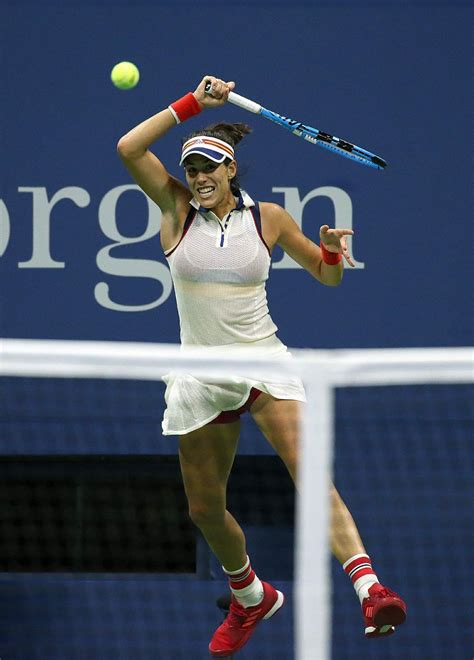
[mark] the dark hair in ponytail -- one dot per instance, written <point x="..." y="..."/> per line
<point x="230" y="133"/>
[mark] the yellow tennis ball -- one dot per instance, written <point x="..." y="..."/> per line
<point x="125" y="75"/>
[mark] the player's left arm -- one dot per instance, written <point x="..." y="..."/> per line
<point x="280" y="229"/>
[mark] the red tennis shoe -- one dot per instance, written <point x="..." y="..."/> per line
<point x="241" y="622"/>
<point x="382" y="611"/>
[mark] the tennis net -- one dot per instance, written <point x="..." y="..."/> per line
<point x="99" y="559"/>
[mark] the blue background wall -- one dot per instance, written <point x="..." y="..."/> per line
<point x="393" y="77"/>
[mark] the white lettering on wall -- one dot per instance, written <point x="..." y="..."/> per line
<point x="4" y="227"/>
<point x="42" y="207"/>
<point x="342" y="215"/>
<point x="121" y="267"/>
<point x="152" y="269"/>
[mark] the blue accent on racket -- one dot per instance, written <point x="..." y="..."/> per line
<point x="309" y="133"/>
<point x="322" y="139"/>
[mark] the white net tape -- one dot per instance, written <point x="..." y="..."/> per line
<point x="320" y="371"/>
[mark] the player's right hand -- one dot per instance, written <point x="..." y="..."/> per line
<point x="216" y="96"/>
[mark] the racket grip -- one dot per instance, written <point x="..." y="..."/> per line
<point x="244" y="103"/>
<point x="236" y="99"/>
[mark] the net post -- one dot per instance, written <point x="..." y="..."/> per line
<point x="312" y="554"/>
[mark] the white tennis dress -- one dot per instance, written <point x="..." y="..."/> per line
<point x="219" y="269"/>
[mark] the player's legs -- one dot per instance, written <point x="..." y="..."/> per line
<point x="206" y="457"/>
<point x="278" y="419"/>
<point x="382" y="609"/>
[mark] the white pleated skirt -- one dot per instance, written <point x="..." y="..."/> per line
<point x="194" y="402"/>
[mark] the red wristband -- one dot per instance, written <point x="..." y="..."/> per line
<point x="185" y="107"/>
<point x="330" y="258"/>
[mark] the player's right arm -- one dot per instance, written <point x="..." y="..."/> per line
<point x="148" y="171"/>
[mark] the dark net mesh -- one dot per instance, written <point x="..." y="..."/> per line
<point x="404" y="464"/>
<point x="99" y="559"/>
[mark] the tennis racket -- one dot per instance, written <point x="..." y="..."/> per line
<point x="313" y="135"/>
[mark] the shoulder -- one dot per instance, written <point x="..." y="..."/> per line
<point x="275" y="222"/>
<point x="174" y="218"/>
<point x="277" y="216"/>
<point x="274" y="215"/>
<point x="271" y="210"/>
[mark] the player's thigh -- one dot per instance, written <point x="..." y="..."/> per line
<point x="206" y="457"/>
<point x="279" y="421"/>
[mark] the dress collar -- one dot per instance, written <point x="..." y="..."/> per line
<point x="243" y="200"/>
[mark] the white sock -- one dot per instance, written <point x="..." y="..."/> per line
<point x="245" y="585"/>
<point x="360" y="571"/>
<point x="363" y="584"/>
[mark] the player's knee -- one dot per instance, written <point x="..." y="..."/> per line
<point x="206" y="514"/>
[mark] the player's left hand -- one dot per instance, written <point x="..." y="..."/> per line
<point x="335" y="241"/>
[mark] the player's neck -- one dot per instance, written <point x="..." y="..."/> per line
<point x="225" y="206"/>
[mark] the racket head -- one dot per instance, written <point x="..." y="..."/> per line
<point x="326" y="140"/>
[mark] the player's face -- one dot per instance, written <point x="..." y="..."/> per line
<point x="208" y="181"/>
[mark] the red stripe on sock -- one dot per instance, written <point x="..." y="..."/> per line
<point x="359" y="567"/>
<point x="358" y="574"/>
<point x="242" y="581"/>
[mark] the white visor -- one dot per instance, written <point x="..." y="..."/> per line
<point x="210" y="147"/>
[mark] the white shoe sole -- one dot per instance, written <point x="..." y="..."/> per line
<point x="278" y="603"/>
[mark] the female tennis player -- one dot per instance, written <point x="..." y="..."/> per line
<point x="218" y="243"/>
